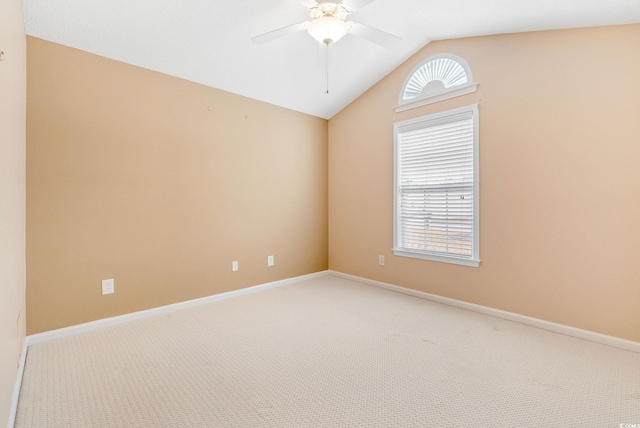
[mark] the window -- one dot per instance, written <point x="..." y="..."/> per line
<point x="436" y="187"/>
<point x="436" y="79"/>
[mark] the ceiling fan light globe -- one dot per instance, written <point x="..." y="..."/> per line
<point x="328" y="29"/>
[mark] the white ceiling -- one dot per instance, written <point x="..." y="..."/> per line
<point x="209" y="41"/>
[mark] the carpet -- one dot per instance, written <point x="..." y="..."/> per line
<point x="327" y="352"/>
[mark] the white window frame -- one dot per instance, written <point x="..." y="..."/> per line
<point x="425" y="122"/>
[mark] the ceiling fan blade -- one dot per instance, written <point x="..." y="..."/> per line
<point x="374" y="35"/>
<point x="353" y="5"/>
<point x="309" y="4"/>
<point x="280" y="32"/>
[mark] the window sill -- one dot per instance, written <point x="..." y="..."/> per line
<point x="436" y="258"/>
<point x="440" y="96"/>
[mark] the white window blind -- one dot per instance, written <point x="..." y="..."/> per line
<point x="436" y="187"/>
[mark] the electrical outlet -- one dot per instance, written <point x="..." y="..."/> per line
<point x="234" y="266"/>
<point x="270" y="261"/>
<point x="381" y="260"/>
<point x="108" y="286"/>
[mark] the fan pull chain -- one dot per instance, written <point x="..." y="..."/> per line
<point x="326" y="67"/>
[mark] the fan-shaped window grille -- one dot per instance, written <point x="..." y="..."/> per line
<point x="437" y="78"/>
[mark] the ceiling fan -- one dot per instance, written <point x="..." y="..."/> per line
<point x="328" y="24"/>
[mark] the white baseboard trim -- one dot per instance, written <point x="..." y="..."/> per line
<point x="16" y="388"/>
<point x="121" y="319"/>
<point x="604" y="339"/>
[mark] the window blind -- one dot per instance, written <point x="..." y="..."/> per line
<point x="435" y="186"/>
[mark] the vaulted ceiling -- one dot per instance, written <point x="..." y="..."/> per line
<point x="209" y="41"/>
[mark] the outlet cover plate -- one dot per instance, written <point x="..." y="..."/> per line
<point x="108" y="286"/>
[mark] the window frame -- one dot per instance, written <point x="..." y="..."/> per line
<point x="427" y="121"/>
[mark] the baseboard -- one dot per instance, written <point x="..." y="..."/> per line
<point x="498" y="313"/>
<point x="604" y="339"/>
<point x="121" y="319"/>
<point x="16" y="388"/>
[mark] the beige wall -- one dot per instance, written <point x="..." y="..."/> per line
<point x="559" y="179"/>
<point x="12" y="198"/>
<point x="131" y="176"/>
<point x="160" y="184"/>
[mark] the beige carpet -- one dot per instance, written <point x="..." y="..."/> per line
<point x="327" y="353"/>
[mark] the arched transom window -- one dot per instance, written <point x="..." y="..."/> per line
<point x="437" y="78"/>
